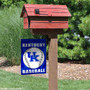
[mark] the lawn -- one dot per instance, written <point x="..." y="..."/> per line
<point x="11" y="80"/>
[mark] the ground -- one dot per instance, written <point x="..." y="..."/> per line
<point x="65" y="71"/>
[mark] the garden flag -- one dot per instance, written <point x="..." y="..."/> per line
<point x="33" y="56"/>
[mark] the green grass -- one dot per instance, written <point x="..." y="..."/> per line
<point x="11" y="80"/>
<point x="11" y="33"/>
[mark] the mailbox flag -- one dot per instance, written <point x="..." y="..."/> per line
<point x="33" y="56"/>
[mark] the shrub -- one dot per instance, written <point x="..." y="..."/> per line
<point x="85" y="28"/>
<point x="71" y="47"/>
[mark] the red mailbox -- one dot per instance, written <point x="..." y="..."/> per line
<point x="45" y="19"/>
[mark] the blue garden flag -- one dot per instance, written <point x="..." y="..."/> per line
<point x="33" y="56"/>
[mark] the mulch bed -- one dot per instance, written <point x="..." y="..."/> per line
<point x="65" y="71"/>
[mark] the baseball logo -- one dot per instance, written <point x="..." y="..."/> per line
<point x="33" y="58"/>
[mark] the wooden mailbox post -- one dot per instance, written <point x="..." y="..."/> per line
<point x="47" y="20"/>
